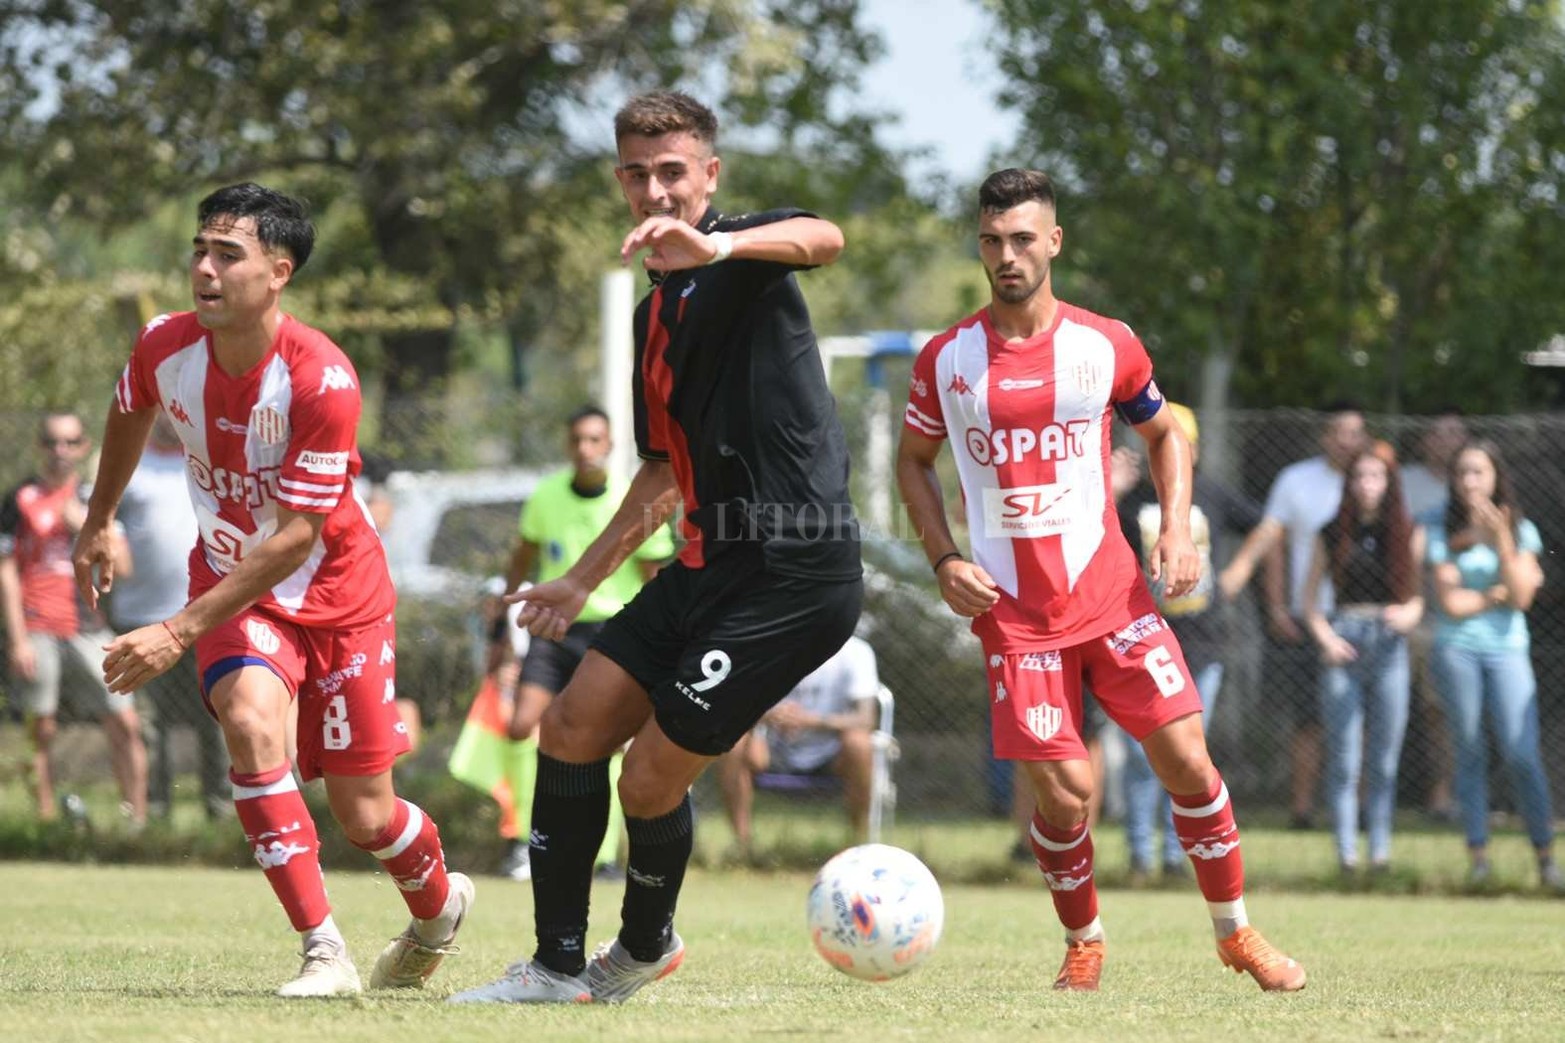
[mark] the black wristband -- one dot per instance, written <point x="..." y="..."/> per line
<point x="945" y="558"/>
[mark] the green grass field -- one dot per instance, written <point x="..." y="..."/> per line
<point x="167" y="954"/>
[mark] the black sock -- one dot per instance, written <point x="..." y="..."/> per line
<point x="570" y="816"/>
<point x="659" y="852"/>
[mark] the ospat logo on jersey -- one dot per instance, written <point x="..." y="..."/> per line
<point x="1010" y="445"/>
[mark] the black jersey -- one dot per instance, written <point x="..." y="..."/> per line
<point x="730" y="389"/>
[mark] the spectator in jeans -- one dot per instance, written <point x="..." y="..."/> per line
<point x="1366" y="552"/>
<point x="1484" y="556"/>
<point x="1303" y="497"/>
<point x="822" y="726"/>
<point x="1197" y="618"/>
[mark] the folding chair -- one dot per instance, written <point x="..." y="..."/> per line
<point x="882" y="789"/>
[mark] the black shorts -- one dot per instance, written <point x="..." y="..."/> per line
<point x="716" y="647"/>
<point x="549" y="664"/>
<point x="1290" y="685"/>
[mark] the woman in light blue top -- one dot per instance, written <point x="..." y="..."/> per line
<point x="1484" y="557"/>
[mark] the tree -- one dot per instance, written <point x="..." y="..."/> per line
<point x="1307" y="198"/>
<point x="445" y="123"/>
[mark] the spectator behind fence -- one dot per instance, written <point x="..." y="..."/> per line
<point x="1427" y="751"/>
<point x="822" y="726"/>
<point x="1484" y="556"/>
<point x="49" y="634"/>
<point x="1366" y="552"/>
<point x="161" y="530"/>
<point x="559" y="522"/>
<point x="1196" y="617"/>
<point x="1303" y="497"/>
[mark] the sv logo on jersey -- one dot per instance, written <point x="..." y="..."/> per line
<point x="1030" y="511"/>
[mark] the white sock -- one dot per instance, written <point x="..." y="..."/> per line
<point x="1228" y="917"/>
<point x="325" y="931"/>
<point x="1093" y="932"/>
<point x="437" y="930"/>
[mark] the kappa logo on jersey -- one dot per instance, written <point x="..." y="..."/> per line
<point x="387" y="653"/>
<point x="390" y="695"/>
<point x="324" y="463"/>
<point x="996" y="661"/>
<point x="269" y="425"/>
<point x="958" y="385"/>
<point x="1015" y="444"/>
<point x="1042" y="662"/>
<point x="157" y="320"/>
<point x="179" y="413"/>
<point x="1066" y="881"/>
<point x="262" y="637"/>
<point x="1213" y="851"/>
<point x="1012" y="384"/>
<point x="1044" y="720"/>
<point x="335" y="378"/>
<point x="999" y="692"/>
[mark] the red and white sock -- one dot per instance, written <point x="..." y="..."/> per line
<point x="1065" y="857"/>
<point x="282" y="837"/>
<point x="409" y="848"/>
<point x="1207" y="831"/>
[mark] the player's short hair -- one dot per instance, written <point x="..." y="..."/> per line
<point x="585" y="412"/>
<point x="280" y="220"/>
<point x="1012" y="187"/>
<point x="657" y="113"/>
<point x="1337" y="406"/>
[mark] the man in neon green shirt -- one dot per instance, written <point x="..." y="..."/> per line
<point x="565" y="513"/>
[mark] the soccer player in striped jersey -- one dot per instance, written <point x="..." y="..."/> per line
<point x="290" y="598"/>
<point x="1055" y="593"/>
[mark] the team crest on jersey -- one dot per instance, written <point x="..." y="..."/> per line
<point x="1088" y="377"/>
<point x="269" y="425"/>
<point x="262" y="637"/>
<point x="1044" y="721"/>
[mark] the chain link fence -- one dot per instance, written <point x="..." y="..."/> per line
<point x="495" y="444"/>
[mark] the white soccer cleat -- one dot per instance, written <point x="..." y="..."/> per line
<point x="614" y="975"/>
<point x="409" y="961"/>
<point x="327" y="971"/>
<point x="528" y="982"/>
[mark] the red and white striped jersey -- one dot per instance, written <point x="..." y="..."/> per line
<point x="283" y="433"/>
<point x="1030" y="423"/>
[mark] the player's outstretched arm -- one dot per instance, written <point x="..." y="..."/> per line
<point x="136" y="657"/>
<point x="674" y="245"/>
<point x="98" y="548"/>
<point x="964" y="585"/>
<point x="1174" y="558"/>
<point x="549" y="608"/>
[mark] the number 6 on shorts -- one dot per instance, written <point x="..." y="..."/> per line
<point x="1170" y="680"/>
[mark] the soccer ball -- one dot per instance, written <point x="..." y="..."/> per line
<point x="875" y="912"/>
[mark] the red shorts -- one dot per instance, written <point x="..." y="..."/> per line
<point x="344" y="681"/>
<point x="1138" y="675"/>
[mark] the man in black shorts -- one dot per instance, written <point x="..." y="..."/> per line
<point x="733" y="420"/>
<point x="561" y="518"/>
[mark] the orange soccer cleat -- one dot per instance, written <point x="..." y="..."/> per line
<point x="1082" y="968"/>
<point x="1245" y="950"/>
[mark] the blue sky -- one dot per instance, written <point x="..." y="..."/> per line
<point x="936" y="77"/>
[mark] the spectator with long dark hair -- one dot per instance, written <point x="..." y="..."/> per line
<point x="1367" y="552"/>
<point x="1486" y="573"/>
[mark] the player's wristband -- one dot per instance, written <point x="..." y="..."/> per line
<point x="173" y="635"/>
<point x="945" y="558"/>
<point x="723" y="243"/>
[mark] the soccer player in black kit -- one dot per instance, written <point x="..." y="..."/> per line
<point x="735" y="422"/>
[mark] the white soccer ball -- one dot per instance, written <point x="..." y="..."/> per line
<point x="875" y="912"/>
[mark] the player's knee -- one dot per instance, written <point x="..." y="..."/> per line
<point x="857" y="751"/>
<point x="1064" y="810"/>
<point x="645" y="792"/>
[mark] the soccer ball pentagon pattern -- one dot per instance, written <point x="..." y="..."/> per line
<point x="875" y="912"/>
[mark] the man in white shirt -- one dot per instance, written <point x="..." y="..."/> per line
<point x="822" y="726"/>
<point x="1304" y="496"/>
<point x="160" y="526"/>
